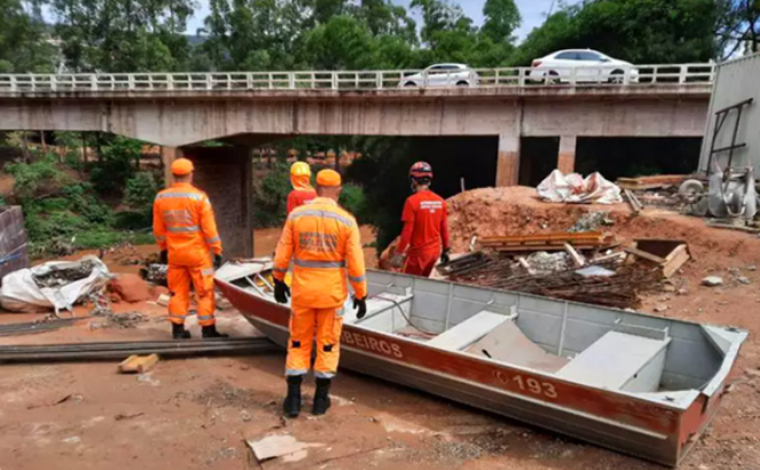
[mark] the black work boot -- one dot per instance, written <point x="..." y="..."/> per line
<point x="210" y="332"/>
<point x="291" y="407"/>
<point x="321" y="397"/>
<point x="179" y="332"/>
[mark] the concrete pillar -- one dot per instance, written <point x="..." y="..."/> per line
<point x="168" y="155"/>
<point x="226" y="175"/>
<point x="566" y="158"/>
<point x="508" y="163"/>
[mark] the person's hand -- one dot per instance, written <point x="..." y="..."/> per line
<point x="397" y="260"/>
<point x="361" y="306"/>
<point x="281" y="291"/>
<point x="164" y="257"/>
<point x="445" y="256"/>
<point x="217" y="261"/>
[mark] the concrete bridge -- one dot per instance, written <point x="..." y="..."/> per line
<point x="250" y="108"/>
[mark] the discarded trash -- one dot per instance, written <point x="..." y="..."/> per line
<point x="572" y="188"/>
<point x="743" y="280"/>
<point x="118" y="320"/>
<point x="138" y="364"/>
<point x="545" y="263"/>
<point x="712" y="281"/>
<point x="56" y="284"/>
<point x="669" y="255"/>
<point x="594" y="271"/>
<point x="591" y="221"/>
<point x="280" y="445"/>
<point x="122" y="416"/>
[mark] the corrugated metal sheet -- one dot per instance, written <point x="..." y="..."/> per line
<point x="13" y="250"/>
<point x="735" y="81"/>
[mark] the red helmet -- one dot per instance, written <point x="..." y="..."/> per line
<point x="421" y="170"/>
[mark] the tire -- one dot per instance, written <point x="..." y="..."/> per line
<point x="410" y="84"/>
<point x="617" y="76"/>
<point x="551" y="81"/>
<point x="691" y="191"/>
<point x="463" y="83"/>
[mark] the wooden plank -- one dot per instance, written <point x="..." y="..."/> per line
<point x="577" y="258"/>
<point x="138" y="364"/>
<point x="633" y="201"/>
<point x="675" y="260"/>
<point x="645" y="255"/>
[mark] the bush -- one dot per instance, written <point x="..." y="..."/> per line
<point x="354" y="201"/>
<point x="32" y="178"/>
<point x="117" y="164"/>
<point x="270" y="198"/>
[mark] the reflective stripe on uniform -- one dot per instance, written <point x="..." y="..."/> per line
<point x="323" y="214"/>
<point x="303" y="263"/>
<point x="357" y="279"/>
<point x="177" y="315"/>
<point x="323" y="375"/>
<point x="205" y="317"/>
<point x="189" y="228"/>
<point x="207" y="271"/>
<point x="280" y="270"/>
<point x="213" y="239"/>
<point x="291" y="372"/>
<point x="173" y="195"/>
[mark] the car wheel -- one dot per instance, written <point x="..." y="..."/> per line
<point x="410" y="84"/>
<point x="463" y="83"/>
<point x="617" y="76"/>
<point x="551" y="78"/>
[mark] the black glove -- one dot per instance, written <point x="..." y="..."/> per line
<point x="361" y="306"/>
<point x="217" y="261"/>
<point x="281" y="292"/>
<point x="445" y="256"/>
<point x="164" y="257"/>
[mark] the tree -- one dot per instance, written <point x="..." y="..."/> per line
<point x="23" y="39"/>
<point x="501" y="18"/>
<point x="640" y="31"/>
<point x="123" y="35"/>
<point x="738" y="26"/>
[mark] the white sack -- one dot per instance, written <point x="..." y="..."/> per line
<point x="20" y="293"/>
<point x="573" y="188"/>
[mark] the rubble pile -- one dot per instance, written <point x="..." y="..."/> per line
<point x="591" y="221"/>
<point x="58" y="277"/>
<point x="122" y="321"/>
<point x="543" y="263"/>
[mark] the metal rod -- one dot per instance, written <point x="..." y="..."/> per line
<point x="120" y="350"/>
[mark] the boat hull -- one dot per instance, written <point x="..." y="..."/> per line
<point x="638" y="427"/>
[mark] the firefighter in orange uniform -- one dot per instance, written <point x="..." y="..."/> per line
<point x="300" y="178"/>
<point x="185" y="230"/>
<point x="425" y="236"/>
<point x="323" y="242"/>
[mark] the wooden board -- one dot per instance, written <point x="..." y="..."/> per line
<point x="138" y="364"/>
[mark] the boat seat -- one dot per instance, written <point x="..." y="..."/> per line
<point x="467" y="332"/>
<point x="376" y="305"/>
<point x="507" y="343"/>
<point x="619" y="361"/>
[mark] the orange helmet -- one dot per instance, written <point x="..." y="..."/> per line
<point x="300" y="169"/>
<point x="182" y="167"/>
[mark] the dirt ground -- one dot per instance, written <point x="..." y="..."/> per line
<point x="197" y="413"/>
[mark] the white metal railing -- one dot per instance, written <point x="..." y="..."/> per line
<point x="680" y="74"/>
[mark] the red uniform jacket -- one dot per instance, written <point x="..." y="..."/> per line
<point x="299" y="197"/>
<point x="425" y="226"/>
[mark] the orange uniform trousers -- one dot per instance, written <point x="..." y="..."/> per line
<point x="201" y="278"/>
<point x="305" y="323"/>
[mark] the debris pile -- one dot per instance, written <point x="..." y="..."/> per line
<point x="122" y="321"/>
<point x="573" y="188"/>
<point x="61" y="276"/>
<point x="155" y="273"/>
<point x="591" y="221"/>
<point x="543" y="263"/>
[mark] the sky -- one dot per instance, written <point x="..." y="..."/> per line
<point x="533" y="13"/>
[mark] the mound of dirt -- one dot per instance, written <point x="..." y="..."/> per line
<point x="518" y="211"/>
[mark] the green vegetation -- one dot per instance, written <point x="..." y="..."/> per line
<point x="63" y="212"/>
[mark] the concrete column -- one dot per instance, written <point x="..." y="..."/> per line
<point x="168" y="155"/>
<point x="566" y="158"/>
<point x="225" y="174"/>
<point x="508" y="163"/>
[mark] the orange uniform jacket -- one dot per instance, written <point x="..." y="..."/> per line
<point x="183" y="224"/>
<point x="323" y="241"/>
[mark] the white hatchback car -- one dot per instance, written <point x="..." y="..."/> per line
<point x="442" y="75"/>
<point x="589" y="65"/>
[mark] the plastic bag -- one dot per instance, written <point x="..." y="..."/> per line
<point x="572" y="188"/>
<point x="21" y="293"/>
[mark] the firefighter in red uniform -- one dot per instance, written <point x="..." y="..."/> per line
<point x="425" y="236"/>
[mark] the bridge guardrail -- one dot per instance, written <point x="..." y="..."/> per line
<point x="652" y="75"/>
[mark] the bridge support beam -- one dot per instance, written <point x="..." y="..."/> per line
<point x="508" y="160"/>
<point x="226" y="175"/>
<point x="566" y="157"/>
<point x="168" y="155"/>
